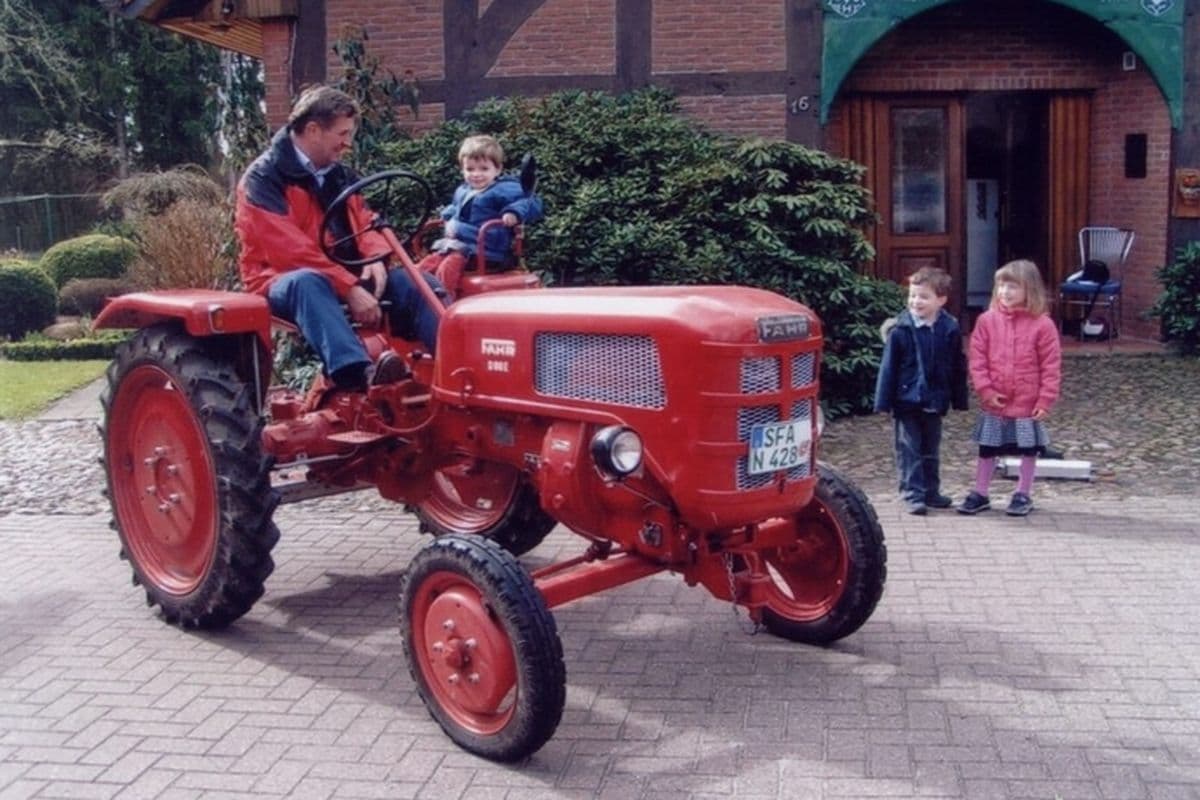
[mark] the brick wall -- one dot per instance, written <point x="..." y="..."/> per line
<point x="563" y="37"/>
<point x="702" y="36"/>
<point x="1131" y="103"/>
<point x="277" y="63"/>
<point x="405" y="35"/>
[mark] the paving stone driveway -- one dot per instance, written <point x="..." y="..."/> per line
<point x="1055" y="656"/>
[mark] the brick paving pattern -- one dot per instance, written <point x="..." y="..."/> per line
<point x="1053" y="656"/>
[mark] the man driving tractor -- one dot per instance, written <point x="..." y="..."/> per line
<point x="281" y="201"/>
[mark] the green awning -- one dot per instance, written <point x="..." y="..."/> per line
<point x="1153" y="29"/>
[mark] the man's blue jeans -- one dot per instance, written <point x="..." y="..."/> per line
<point x="307" y="298"/>
<point x="918" y="440"/>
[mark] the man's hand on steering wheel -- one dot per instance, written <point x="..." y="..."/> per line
<point x="364" y="307"/>
<point x="374" y="275"/>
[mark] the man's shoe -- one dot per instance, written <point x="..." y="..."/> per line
<point x="974" y="503"/>
<point x="938" y="501"/>
<point x="915" y="507"/>
<point x="388" y="368"/>
<point x="1020" y="505"/>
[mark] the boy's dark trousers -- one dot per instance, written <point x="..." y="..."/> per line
<point x="918" y="440"/>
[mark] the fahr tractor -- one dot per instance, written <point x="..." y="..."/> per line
<point x="674" y="429"/>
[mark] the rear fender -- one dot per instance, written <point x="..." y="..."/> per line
<point x="203" y="312"/>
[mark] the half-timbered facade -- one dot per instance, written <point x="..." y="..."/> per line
<point x="991" y="129"/>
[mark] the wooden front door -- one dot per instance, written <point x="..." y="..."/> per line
<point x="912" y="146"/>
<point x="919" y="151"/>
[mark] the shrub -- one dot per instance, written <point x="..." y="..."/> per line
<point x="86" y="296"/>
<point x="152" y="193"/>
<point x="28" y="299"/>
<point x="99" y="345"/>
<point x="188" y="245"/>
<point x="93" y="256"/>
<point x="637" y="195"/>
<point x="1179" y="305"/>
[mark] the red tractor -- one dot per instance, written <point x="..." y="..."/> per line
<point x="672" y="428"/>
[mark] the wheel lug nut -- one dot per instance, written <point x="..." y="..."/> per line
<point x="175" y="498"/>
<point x="438" y="647"/>
<point x="452" y="679"/>
<point x="163" y="507"/>
<point x="473" y="677"/>
<point x="160" y="451"/>
<point x="172" y="469"/>
<point x="149" y="461"/>
<point x="471" y="643"/>
<point x="448" y="625"/>
<point x="151" y="489"/>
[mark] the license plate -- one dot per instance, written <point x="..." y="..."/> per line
<point x="779" y="445"/>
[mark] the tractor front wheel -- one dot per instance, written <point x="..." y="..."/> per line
<point x="826" y="584"/>
<point x="482" y="647"/>
<point x="190" y="489"/>
<point x="485" y="499"/>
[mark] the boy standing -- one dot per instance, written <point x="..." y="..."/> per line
<point x="921" y="376"/>
<point x="483" y="195"/>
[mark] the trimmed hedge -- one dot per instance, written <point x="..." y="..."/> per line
<point x="93" y="256"/>
<point x="101" y="345"/>
<point x="28" y="299"/>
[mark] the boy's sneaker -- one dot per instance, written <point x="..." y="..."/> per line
<point x="1020" y="505"/>
<point x="974" y="503"/>
<point x="915" y="507"/>
<point x="938" y="501"/>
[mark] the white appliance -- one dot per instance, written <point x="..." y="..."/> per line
<point x="983" y="239"/>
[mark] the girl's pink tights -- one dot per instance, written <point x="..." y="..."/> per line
<point x="1025" y="472"/>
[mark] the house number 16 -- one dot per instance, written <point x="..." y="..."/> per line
<point x="800" y="105"/>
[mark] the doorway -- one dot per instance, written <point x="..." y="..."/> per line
<point x="1007" y="180"/>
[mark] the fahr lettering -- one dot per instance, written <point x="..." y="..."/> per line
<point x="782" y="329"/>
<point x="499" y="347"/>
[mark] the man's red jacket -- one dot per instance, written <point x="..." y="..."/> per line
<point x="278" y="219"/>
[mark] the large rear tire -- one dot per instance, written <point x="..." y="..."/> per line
<point x="482" y="647"/>
<point x="826" y="584"/>
<point x="189" y="486"/>
<point x="485" y="499"/>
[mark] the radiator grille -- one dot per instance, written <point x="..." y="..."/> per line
<point x="760" y="375"/>
<point x="618" y="369"/>
<point x="804" y="369"/>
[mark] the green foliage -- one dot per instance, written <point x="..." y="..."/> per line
<point x="28" y="299"/>
<point x="1179" y="305"/>
<point x="100" y="344"/>
<point x="86" y="296"/>
<point x="378" y="92"/>
<point x="93" y="256"/>
<point x="637" y="195"/>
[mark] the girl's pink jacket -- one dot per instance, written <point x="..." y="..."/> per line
<point x="1015" y="355"/>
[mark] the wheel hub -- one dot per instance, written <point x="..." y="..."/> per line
<point x="468" y="653"/>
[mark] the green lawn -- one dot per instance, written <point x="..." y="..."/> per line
<point x="27" y="387"/>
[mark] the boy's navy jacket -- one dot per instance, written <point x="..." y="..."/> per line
<point x="470" y="211"/>
<point x="900" y="389"/>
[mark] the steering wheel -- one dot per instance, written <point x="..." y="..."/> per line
<point x="388" y="178"/>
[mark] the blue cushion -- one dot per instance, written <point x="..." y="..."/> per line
<point x="1088" y="288"/>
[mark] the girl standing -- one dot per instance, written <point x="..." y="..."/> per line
<point x="1015" y="365"/>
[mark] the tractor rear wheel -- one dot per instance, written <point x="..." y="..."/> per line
<point x="189" y="486"/>
<point x="482" y="647"/>
<point x="826" y="584"/>
<point x="485" y="499"/>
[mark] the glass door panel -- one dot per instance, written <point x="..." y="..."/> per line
<point x="918" y="170"/>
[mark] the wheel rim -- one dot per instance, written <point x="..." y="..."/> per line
<point x="808" y="576"/>
<point x="162" y="483"/>
<point x="465" y="658"/>
<point x="470" y="498"/>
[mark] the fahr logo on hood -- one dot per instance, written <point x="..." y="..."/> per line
<point x="785" y="328"/>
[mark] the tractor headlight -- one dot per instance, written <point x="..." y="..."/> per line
<point x="617" y="450"/>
